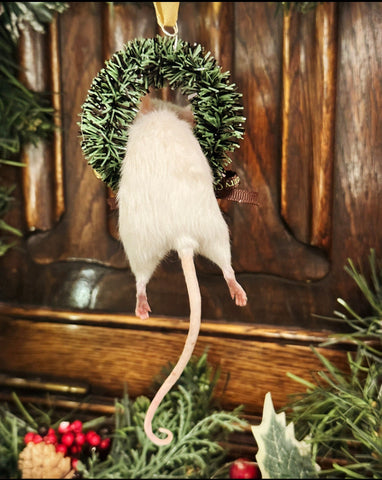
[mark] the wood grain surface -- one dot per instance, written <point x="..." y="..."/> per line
<point x="312" y="95"/>
<point x="105" y="352"/>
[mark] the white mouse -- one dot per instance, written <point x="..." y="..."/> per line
<point x="167" y="202"/>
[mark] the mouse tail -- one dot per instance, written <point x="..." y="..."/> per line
<point x="188" y="265"/>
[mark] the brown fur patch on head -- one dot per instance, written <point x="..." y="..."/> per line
<point x="146" y="104"/>
<point x="151" y="102"/>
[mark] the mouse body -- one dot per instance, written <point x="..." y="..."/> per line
<point x="167" y="202"/>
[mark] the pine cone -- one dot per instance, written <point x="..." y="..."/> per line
<point x="40" y="460"/>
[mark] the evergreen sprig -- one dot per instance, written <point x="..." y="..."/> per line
<point x="7" y="231"/>
<point x="341" y="411"/>
<point x="194" y="453"/>
<point x="188" y="410"/>
<point x="115" y="93"/>
<point x="14" y="15"/>
<point x="11" y="441"/>
<point x="25" y="116"/>
<point x="302" y="7"/>
<point x="365" y="331"/>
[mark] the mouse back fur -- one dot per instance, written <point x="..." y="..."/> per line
<point x="166" y="195"/>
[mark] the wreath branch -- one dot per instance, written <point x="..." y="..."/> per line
<point x="115" y="94"/>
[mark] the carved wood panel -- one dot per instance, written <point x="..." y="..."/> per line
<point x="286" y="68"/>
<point x="312" y="94"/>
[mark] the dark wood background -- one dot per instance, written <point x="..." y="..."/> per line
<point x="312" y="97"/>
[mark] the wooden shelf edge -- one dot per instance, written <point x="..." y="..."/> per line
<point x="208" y="328"/>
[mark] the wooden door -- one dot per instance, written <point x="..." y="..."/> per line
<point x="311" y="86"/>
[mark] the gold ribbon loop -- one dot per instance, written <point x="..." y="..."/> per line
<point x="167" y="16"/>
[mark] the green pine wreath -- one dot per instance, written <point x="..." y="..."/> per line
<point x="113" y="101"/>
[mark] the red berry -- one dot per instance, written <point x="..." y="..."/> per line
<point x="74" y="463"/>
<point x="68" y="439"/>
<point x="29" y="437"/>
<point x="93" y="438"/>
<point x="62" y="448"/>
<point x="104" y="443"/>
<point x="243" y="468"/>
<point x="80" y="438"/>
<point x="50" y="438"/>
<point x="76" y="426"/>
<point x="37" y="438"/>
<point x="51" y="431"/>
<point x="74" y="449"/>
<point x="64" y="427"/>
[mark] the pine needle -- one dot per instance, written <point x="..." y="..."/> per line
<point x="342" y="412"/>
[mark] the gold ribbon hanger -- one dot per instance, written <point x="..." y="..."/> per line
<point x="167" y="16"/>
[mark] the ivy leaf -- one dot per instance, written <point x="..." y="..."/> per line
<point x="280" y="455"/>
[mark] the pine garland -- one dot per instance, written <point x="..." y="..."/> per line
<point x="199" y="427"/>
<point x="341" y="412"/>
<point x="114" y="97"/>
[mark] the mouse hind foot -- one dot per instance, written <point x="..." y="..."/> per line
<point x="142" y="308"/>
<point x="220" y="254"/>
<point x="235" y="289"/>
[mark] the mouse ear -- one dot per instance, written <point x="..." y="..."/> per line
<point x="146" y="105"/>
<point x="186" y="113"/>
